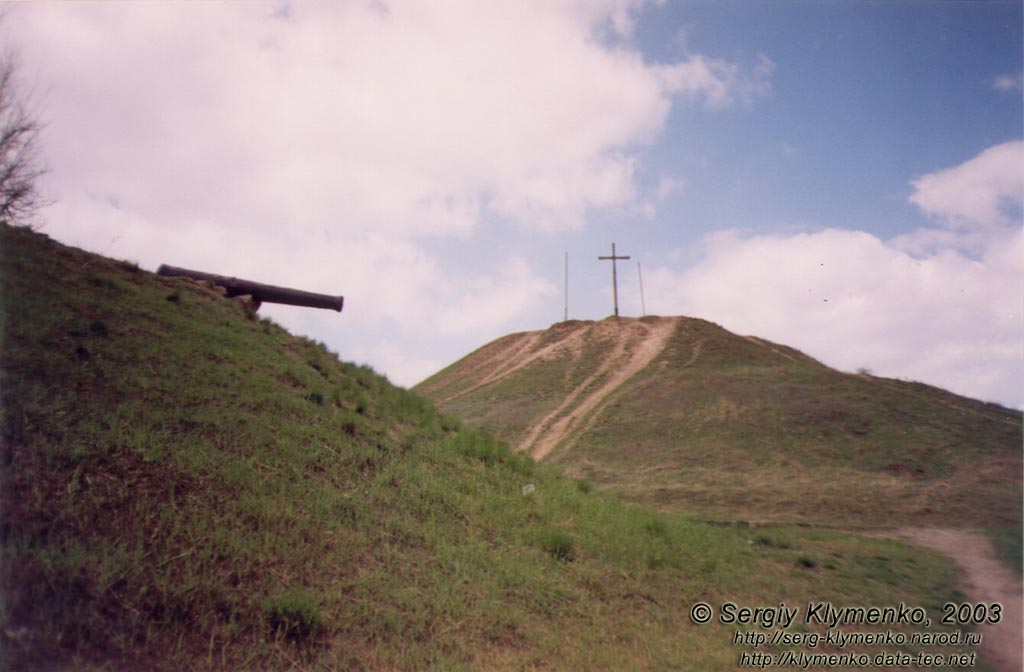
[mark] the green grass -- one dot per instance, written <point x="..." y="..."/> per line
<point x="720" y="426"/>
<point x="294" y="613"/>
<point x="1009" y="545"/>
<point x="180" y="482"/>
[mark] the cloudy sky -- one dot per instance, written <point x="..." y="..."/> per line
<point x="843" y="176"/>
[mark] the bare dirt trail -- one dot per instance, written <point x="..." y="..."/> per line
<point x="987" y="580"/>
<point x="593" y="415"/>
<point x="509" y="358"/>
<point x="633" y="351"/>
<point x="518" y="354"/>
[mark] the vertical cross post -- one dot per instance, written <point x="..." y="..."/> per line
<point x="615" y="279"/>
<point x="643" y="306"/>
<point x="566" y="318"/>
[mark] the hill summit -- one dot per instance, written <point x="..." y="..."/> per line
<point x="682" y="414"/>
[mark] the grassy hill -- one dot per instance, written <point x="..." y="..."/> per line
<point x="183" y="486"/>
<point x="681" y="414"/>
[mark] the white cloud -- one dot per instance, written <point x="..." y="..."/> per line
<point x="665" y="189"/>
<point x="854" y="300"/>
<point x="1009" y="83"/>
<point x="719" y="83"/>
<point x="315" y="144"/>
<point x="489" y="301"/>
<point x="390" y="357"/>
<point x="847" y="298"/>
<point x="668" y="186"/>
<point x="413" y="117"/>
<point x="985" y="191"/>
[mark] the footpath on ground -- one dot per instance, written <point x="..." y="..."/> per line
<point x="985" y="580"/>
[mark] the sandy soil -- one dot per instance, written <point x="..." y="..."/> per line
<point x="985" y="579"/>
<point x="516" y="353"/>
<point x="502" y="359"/>
<point x="633" y="351"/>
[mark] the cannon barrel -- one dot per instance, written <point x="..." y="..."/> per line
<point x="258" y="291"/>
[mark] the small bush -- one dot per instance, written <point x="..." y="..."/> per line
<point x="584" y="486"/>
<point x="768" y="542"/>
<point x="450" y="424"/>
<point x="521" y="464"/>
<point x="655" y="528"/>
<point x="104" y="282"/>
<point x="480" y="445"/>
<point x="411" y="408"/>
<point x="294" y="613"/>
<point x="559" y="544"/>
<point x="1007" y="542"/>
<point x="350" y="427"/>
<point x="344" y="391"/>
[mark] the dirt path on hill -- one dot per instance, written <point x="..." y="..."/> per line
<point x="518" y="354"/>
<point x="985" y="579"/>
<point x="647" y="339"/>
<point x="508" y="358"/>
<point x="592" y="417"/>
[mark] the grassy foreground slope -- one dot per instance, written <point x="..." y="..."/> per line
<point x="182" y="487"/>
<point x="725" y="427"/>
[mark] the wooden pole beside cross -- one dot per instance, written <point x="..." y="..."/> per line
<point x="615" y="279"/>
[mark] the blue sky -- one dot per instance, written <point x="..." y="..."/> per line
<point x="841" y="176"/>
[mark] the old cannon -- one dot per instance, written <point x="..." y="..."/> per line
<point x="259" y="292"/>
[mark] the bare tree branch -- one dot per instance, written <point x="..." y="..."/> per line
<point x="19" y="149"/>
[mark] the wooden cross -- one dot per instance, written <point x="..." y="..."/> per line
<point x="615" y="279"/>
